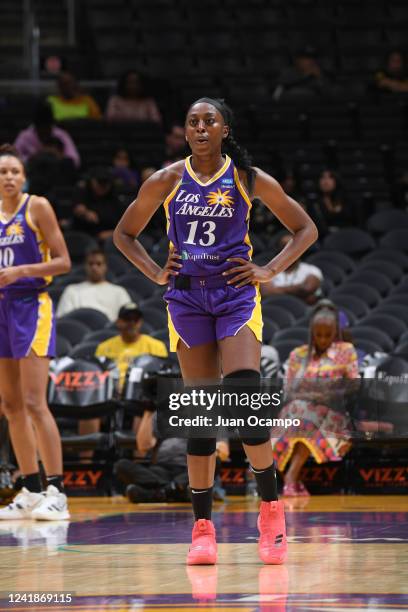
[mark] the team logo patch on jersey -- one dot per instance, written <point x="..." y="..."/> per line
<point x="15" y="229"/>
<point x="220" y="197"/>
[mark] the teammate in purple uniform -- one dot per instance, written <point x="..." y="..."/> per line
<point x="32" y="250"/>
<point x="213" y="295"/>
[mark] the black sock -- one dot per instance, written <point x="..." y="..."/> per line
<point x="57" y="481"/>
<point x="202" y="502"/>
<point x="32" y="482"/>
<point x="266" y="481"/>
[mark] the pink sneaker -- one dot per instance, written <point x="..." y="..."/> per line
<point x="203" y="549"/>
<point x="203" y="582"/>
<point x="302" y="491"/>
<point x="272" y="545"/>
<point x="290" y="490"/>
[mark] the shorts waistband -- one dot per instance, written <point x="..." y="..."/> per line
<point x="184" y="281"/>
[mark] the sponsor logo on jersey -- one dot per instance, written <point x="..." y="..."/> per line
<point x="185" y="255"/>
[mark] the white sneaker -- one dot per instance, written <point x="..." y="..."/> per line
<point x="22" y="505"/>
<point x="53" y="506"/>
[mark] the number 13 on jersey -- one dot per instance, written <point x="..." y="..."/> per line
<point x="207" y="232"/>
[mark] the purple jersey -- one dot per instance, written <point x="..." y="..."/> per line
<point x="22" y="243"/>
<point x="208" y="222"/>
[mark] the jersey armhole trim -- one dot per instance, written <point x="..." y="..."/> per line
<point x="171" y="195"/>
<point x="29" y="219"/>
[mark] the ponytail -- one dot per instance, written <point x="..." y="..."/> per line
<point x="230" y="146"/>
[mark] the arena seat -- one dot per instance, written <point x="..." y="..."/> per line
<point x="136" y="282"/>
<point x="367" y="294"/>
<point x="401" y="349"/>
<point x="396" y="239"/>
<point x="369" y="332"/>
<point x="350" y="302"/>
<point x="94" y="319"/>
<point x="100" y="335"/>
<point x="84" y="350"/>
<point x="300" y="334"/>
<point x="388" y="323"/>
<point x="368" y="347"/>
<point x="391" y="270"/>
<point x="387" y="220"/>
<point x="395" y="310"/>
<point x="374" y="279"/>
<point x="278" y="315"/>
<point x="336" y="258"/>
<point x="79" y="244"/>
<point x="285" y="347"/>
<point x="388" y="254"/>
<point x="72" y="330"/>
<point x="156" y="317"/>
<point x="352" y="241"/>
<point x="63" y="346"/>
<point x="331" y="272"/>
<point x="269" y="329"/>
<point x="292" y="304"/>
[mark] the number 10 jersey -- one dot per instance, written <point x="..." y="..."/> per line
<point x="208" y="222"/>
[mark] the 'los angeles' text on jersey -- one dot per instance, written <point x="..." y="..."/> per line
<point x="208" y="222"/>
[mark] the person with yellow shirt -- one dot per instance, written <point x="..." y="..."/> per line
<point x="130" y="343"/>
<point x="70" y="102"/>
<point x="122" y="349"/>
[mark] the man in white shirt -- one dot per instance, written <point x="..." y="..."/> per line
<point x="96" y="292"/>
<point x="301" y="279"/>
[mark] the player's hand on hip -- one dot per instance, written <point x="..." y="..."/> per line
<point x="170" y="269"/>
<point x="8" y="276"/>
<point x="247" y="273"/>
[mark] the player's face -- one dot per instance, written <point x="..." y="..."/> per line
<point x="205" y="129"/>
<point x="12" y="176"/>
<point x="324" y="333"/>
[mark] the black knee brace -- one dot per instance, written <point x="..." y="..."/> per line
<point x="201" y="446"/>
<point x="235" y="382"/>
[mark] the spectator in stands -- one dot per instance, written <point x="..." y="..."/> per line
<point x="301" y="279"/>
<point x="305" y="78"/>
<point x="70" y="102"/>
<point x="165" y="479"/>
<point x="124" y="174"/>
<point x="331" y="209"/>
<point x="319" y="378"/>
<point x="97" y="208"/>
<point x="122" y="349"/>
<point x="130" y="343"/>
<point x="393" y="78"/>
<point x="37" y="136"/>
<point x="95" y="292"/>
<point x="176" y="148"/>
<point x="50" y="169"/>
<point x="290" y="184"/>
<point x="132" y="102"/>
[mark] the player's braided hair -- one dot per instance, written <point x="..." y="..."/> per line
<point x="230" y="146"/>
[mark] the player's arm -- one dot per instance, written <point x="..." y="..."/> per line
<point x="293" y="217"/>
<point x="151" y="195"/>
<point x="43" y="217"/>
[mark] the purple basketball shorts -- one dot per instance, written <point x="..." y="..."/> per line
<point x="198" y="316"/>
<point x="27" y="323"/>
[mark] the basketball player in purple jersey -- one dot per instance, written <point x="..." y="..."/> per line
<point x="32" y="251"/>
<point x="213" y="299"/>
